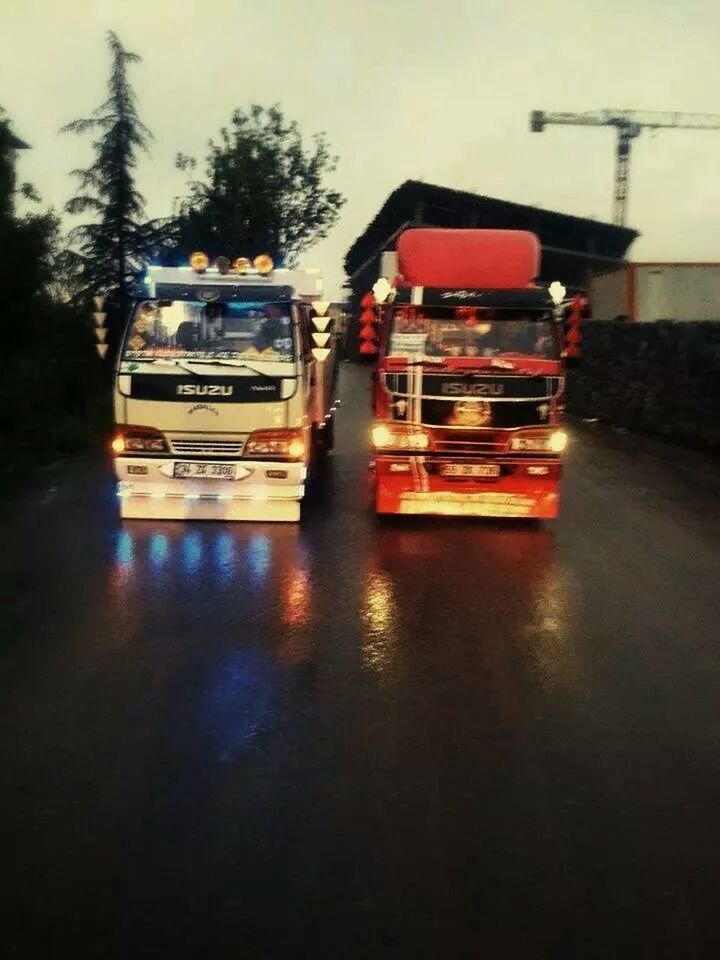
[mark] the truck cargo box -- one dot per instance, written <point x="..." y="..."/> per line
<point x="647" y="292"/>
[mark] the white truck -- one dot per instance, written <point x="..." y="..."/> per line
<point x="648" y="292"/>
<point x="223" y="393"/>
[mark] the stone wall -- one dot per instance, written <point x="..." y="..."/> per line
<point x="657" y="378"/>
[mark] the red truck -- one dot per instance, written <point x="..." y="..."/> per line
<point x="468" y="389"/>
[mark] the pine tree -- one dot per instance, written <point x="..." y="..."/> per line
<point x="9" y="143"/>
<point x="109" y="252"/>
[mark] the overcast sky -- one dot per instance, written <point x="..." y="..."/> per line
<point x="411" y="89"/>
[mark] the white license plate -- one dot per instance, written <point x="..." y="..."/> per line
<point x="204" y="471"/>
<point x="470" y="470"/>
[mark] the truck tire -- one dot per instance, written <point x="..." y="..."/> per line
<point x="327" y="435"/>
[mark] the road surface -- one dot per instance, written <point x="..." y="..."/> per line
<point x="428" y="739"/>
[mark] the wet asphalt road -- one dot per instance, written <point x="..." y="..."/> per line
<point x="352" y="740"/>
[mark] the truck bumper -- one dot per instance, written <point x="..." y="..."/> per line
<point x="415" y="485"/>
<point x="147" y="490"/>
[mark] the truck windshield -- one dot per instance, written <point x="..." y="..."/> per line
<point x="195" y="330"/>
<point x="470" y="332"/>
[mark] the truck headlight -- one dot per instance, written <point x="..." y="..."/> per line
<point x="558" y="441"/>
<point x="399" y="436"/>
<point x="138" y="440"/>
<point x="554" y="442"/>
<point x="280" y="444"/>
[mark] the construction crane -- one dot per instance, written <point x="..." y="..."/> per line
<point x="629" y="124"/>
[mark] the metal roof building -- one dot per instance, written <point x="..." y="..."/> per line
<point x="573" y="247"/>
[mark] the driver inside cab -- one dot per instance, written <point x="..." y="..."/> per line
<point x="259" y="328"/>
<point x="214" y="315"/>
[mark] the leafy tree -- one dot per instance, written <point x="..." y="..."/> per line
<point x="26" y="268"/>
<point x="109" y="252"/>
<point x="262" y="191"/>
<point x="27" y="242"/>
<point x="51" y="396"/>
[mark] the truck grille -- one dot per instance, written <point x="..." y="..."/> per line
<point x="208" y="448"/>
<point x="521" y="413"/>
<point x="446" y="445"/>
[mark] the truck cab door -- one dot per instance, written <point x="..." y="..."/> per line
<point x="307" y="376"/>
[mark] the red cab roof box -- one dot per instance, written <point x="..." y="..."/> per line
<point x="489" y="259"/>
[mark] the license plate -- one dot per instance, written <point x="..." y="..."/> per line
<point x="470" y="470"/>
<point x="205" y="471"/>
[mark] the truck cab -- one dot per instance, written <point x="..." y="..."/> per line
<point x="468" y="398"/>
<point x="222" y="398"/>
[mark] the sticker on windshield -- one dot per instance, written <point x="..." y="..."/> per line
<point x="405" y="344"/>
<point x="218" y="330"/>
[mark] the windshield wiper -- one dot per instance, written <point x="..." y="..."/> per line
<point x="514" y="354"/>
<point x="482" y="363"/>
<point x="164" y="361"/>
<point x="244" y="366"/>
<point x="172" y="363"/>
<point x="437" y="361"/>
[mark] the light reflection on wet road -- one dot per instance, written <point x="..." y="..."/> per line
<point x="353" y="739"/>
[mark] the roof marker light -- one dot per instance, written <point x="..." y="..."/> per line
<point x="263" y="264"/>
<point x="381" y="289"/>
<point x="223" y="265"/>
<point x="242" y="265"/>
<point x="557" y="292"/>
<point x="199" y="261"/>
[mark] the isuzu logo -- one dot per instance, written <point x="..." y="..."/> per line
<point x="472" y="389"/>
<point x="203" y="390"/>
